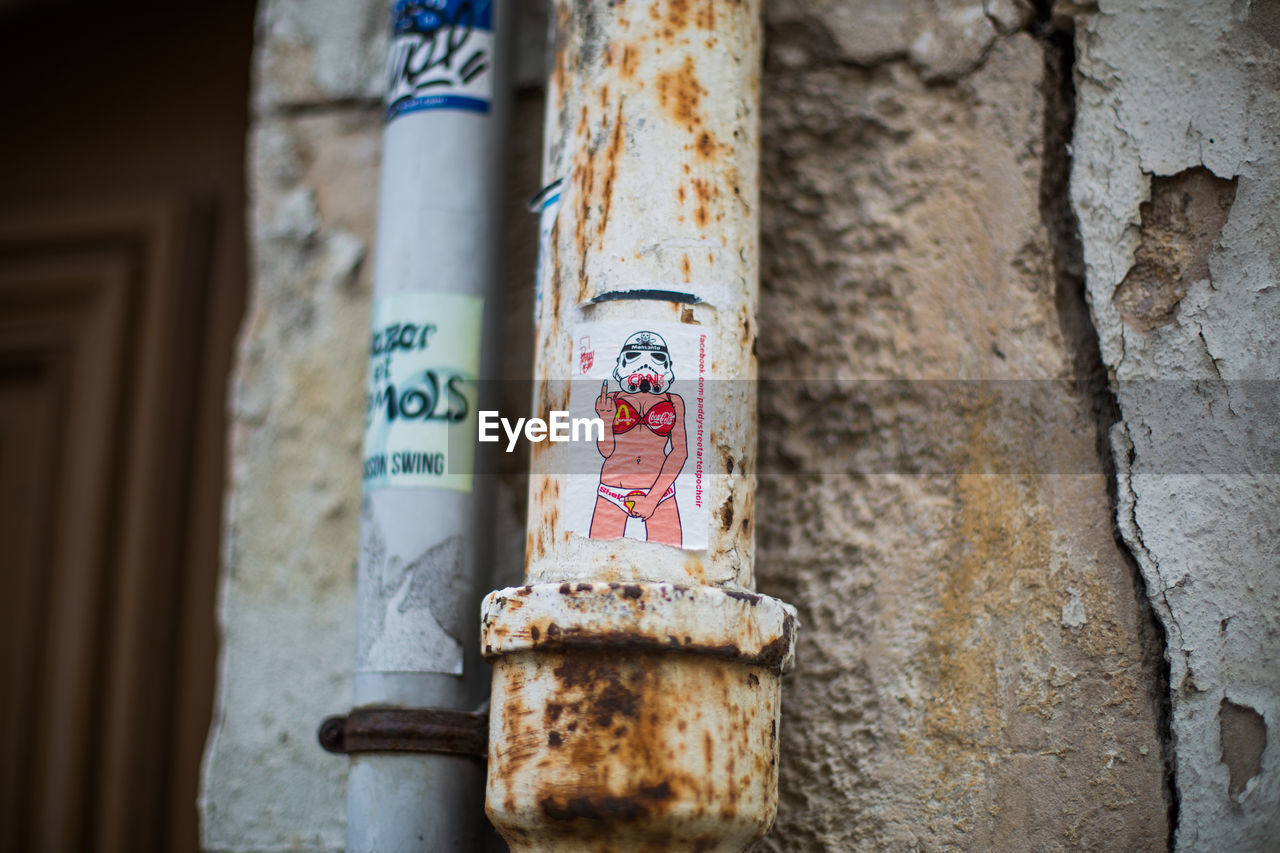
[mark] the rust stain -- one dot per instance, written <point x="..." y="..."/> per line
<point x="748" y="510"/>
<point x="678" y="13"/>
<point x="685" y="268"/>
<point x="533" y="546"/>
<point x="627" y="808"/>
<point x="705" y="17"/>
<point x="610" y="711"/>
<point x="516" y="745"/>
<point x="963" y="716"/>
<point x="993" y="634"/>
<point x="693" y="568"/>
<point x="584" y="182"/>
<point x="630" y="62"/>
<point x="557" y="283"/>
<point x="611" y="170"/>
<point x="561" y="62"/>
<point x="705" y="145"/>
<point x="726" y="515"/>
<point x="704" y="189"/>
<point x="680" y="94"/>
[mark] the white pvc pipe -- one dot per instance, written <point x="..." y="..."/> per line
<point x="423" y="563"/>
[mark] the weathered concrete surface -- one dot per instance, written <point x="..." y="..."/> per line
<point x="942" y="39"/>
<point x="319" y="52"/>
<point x="1176" y="176"/>
<point x="287" y="610"/>
<point x="975" y="668"/>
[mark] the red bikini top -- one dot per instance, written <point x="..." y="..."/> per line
<point x="660" y="419"/>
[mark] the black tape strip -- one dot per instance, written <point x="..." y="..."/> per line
<point x="656" y="295"/>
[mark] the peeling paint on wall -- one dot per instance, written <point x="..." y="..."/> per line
<point x="1176" y="174"/>
<point x="1181" y="225"/>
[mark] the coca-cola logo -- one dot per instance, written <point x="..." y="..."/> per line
<point x="662" y="419"/>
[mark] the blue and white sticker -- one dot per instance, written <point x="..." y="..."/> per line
<point x="441" y="56"/>
<point x="546" y="204"/>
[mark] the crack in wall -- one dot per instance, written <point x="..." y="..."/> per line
<point x="1056" y="36"/>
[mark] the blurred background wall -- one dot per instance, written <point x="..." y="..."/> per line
<point x="122" y="274"/>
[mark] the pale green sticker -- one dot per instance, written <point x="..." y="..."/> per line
<point x="424" y="361"/>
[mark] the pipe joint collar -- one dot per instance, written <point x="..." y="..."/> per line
<point x="650" y="617"/>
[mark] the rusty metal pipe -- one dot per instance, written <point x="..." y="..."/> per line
<point x="636" y="677"/>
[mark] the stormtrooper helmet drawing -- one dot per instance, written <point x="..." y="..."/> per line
<point x="644" y="364"/>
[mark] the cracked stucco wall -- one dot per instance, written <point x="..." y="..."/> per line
<point x="1176" y="178"/>
<point x="982" y="658"/>
<point x="976" y="671"/>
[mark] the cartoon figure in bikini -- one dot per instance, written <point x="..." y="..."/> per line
<point x="643" y="446"/>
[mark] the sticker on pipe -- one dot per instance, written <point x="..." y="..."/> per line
<point x="441" y="57"/>
<point x="405" y="600"/>
<point x="647" y="384"/>
<point x="424" y="360"/>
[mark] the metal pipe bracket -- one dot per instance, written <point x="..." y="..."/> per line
<point x="375" y="729"/>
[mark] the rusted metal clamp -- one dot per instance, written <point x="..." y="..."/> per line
<point x="726" y="624"/>
<point x="440" y="730"/>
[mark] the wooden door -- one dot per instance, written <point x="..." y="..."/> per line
<point x="121" y="283"/>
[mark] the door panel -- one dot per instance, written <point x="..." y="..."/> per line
<point x="121" y="285"/>
<point x="98" y="339"/>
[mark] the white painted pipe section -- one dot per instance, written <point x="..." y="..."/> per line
<point x="653" y="125"/>
<point x="636" y="678"/>
<point x="423" y="560"/>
